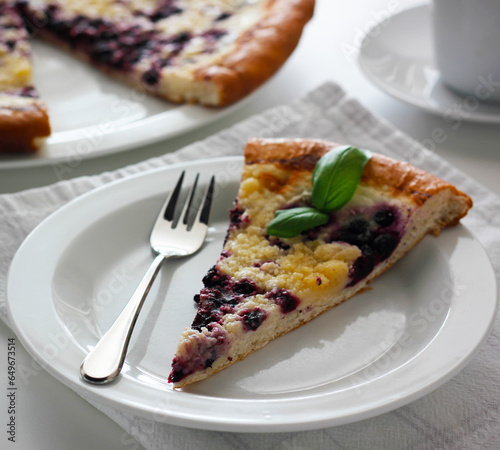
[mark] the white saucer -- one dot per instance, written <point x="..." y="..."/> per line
<point x="397" y="55"/>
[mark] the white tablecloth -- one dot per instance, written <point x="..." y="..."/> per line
<point x="463" y="413"/>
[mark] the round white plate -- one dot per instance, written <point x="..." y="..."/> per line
<point x="415" y="329"/>
<point x="397" y="55"/>
<point x="92" y="114"/>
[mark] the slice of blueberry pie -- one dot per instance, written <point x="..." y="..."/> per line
<point x="312" y="224"/>
<point x="23" y="116"/>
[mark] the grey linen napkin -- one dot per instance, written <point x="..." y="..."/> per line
<point x="463" y="413"/>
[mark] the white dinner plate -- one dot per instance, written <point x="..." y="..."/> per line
<point x="415" y="329"/>
<point x="397" y="55"/>
<point x="92" y="114"/>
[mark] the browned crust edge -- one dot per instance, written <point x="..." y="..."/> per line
<point x="404" y="179"/>
<point x="19" y="129"/>
<point x="259" y="52"/>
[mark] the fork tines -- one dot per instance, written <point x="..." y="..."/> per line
<point x="203" y="212"/>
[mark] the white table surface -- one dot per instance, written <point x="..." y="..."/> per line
<point x="50" y="415"/>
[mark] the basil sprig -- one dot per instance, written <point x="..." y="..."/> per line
<point x="291" y="222"/>
<point x="335" y="179"/>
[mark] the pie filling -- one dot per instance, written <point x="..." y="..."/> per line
<point x="26" y="91"/>
<point x="375" y="231"/>
<point x="16" y="91"/>
<point x="134" y="36"/>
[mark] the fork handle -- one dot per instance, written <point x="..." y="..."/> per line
<point x="104" y="363"/>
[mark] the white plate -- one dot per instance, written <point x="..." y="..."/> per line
<point x="92" y="114"/>
<point x="382" y="349"/>
<point x="397" y="55"/>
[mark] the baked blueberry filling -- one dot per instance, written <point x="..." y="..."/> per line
<point x="284" y="299"/>
<point x="222" y="16"/>
<point x="212" y="305"/>
<point x="214" y="278"/>
<point x="10" y="45"/>
<point x="151" y="77"/>
<point x="10" y="20"/>
<point x="278" y="243"/>
<point x="384" y="217"/>
<point x="237" y="217"/>
<point x="200" y="355"/>
<point x="214" y="34"/>
<point x="252" y="319"/>
<point x="25" y="91"/>
<point x="375" y="231"/>
<point x="121" y="45"/>
<point x="219" y="297"/>
<point x="165" y="9"/>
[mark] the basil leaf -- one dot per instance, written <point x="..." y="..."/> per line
<point x="291" y="222"/>
<point x="336" y="177"/>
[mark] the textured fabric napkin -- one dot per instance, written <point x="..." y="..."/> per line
<point x="463" y="413"/>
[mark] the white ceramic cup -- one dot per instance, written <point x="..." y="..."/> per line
<point x="467" y="46"/>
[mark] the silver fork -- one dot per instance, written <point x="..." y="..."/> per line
<point x="170" y="238"/>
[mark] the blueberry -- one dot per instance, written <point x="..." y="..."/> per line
<point x="223" y="16"/>
<point x="95" y="23"/>
<point x="164" y="62"/>
<point x="214" y="34"/>
<point x="384" y="217"/>
<point x="132" y="57"/>
<point x="235" y="216"/>
<point x="59" y="27"/>
<point x="284" y="299"/>
<point x="246" y="287"/>
<point x="253" y="319"/>
<point x="361" y="268"/>
<point x="181" y="38"/>
<point x="109" y="34"/>
<point x="358" y="226"/>
<point x="176" y="375"/>
<point x="204" y="318"/>
<point x="210" y="361"/>
<point x="10" y="45"/>
<point x="359" y="240"/>
<point x="214" y="278"/>
<point x="279" y="243"/>
<point x="212" y="295"/>
<point x="384" y="244"/>
<point x="151" y="77"/>
<point x="165" y="11"/>
<point x="101" y="52"/>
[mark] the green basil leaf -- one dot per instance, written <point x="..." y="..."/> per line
<point x="291" y="222"/>
<point x="336" y="177"/>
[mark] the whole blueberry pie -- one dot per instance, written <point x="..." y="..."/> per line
<point x="312" y="224"/>
<point x="212" y="52"/>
